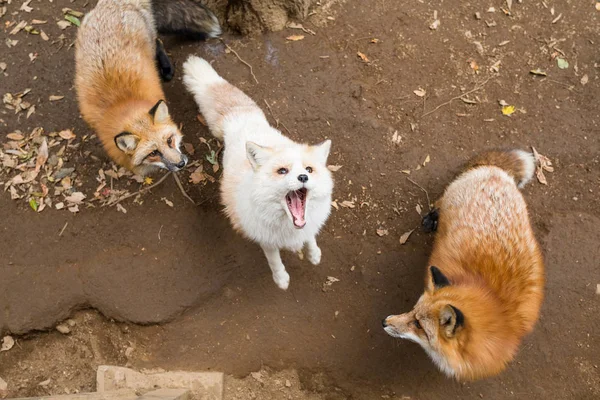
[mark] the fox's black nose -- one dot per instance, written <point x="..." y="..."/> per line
<point x="183" y="162"/>
<point x="384" y="323"/>
<point x="303" y="178"/>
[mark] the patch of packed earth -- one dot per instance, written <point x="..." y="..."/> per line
<point x="407" y="92"/>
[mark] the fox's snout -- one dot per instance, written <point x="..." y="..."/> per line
<point x="177" y="165"/>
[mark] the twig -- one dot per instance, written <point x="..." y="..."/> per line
<point x="286" y="128"/>
<point x="478" y="87"/>
<point x="139" y="191"/>
<point x="570" y="87"/>
<point x="423" y="189"/>
<point x="63" y="229"/>
<point x="182" y="189"/>
<point x="159" y="231"/>
<point x="240" y="58"/>
<point x="272" y="114"/>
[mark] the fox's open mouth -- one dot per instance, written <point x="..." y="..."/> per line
<point x="296" y="202"/>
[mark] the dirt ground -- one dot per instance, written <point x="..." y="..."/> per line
<point x="176" y="288"/>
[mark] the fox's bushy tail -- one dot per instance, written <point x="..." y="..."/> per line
<point x="519" y="164"/>
<point x="185" y="17"/>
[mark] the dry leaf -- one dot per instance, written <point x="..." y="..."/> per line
<point x="15" y="136"/>
<point x="334" y="168"/>
<point x="427" y="160"/>
<point x="382" y="232"/>
<point x="197" y="176"/>
<point x="189" y="148"/>
<point x="331" y="280"/>
<point x="420" y="92"/>
<point x="74" y="209"/>
<point x="295" y="38"/>
<point x="334" y="204"/>
<point x="25" y="6"/>
<point x="19" y="27"/>
<point x="585" y="78"/>
<point x="75" y="198"/>
<point x="347" y="204"/>
<point x="63" y="24"/>
<point x="121" y="208"/>
<point x="59" y="206"/>
<point x="42" y="156"/>
<point x="7" y="343"/>
<point x="405" y="236"/>
<point x="167" y="201"/>
<point x="508" y="110"/>
<point x="67" y="134"/>
<point x="56" y="98"/>
<point x="419" y="209"/>
<point x="30" y="111"/>
<point x="538" y="71"/>
<point x="363" y="57"/>
<point x="396" y="138"/>
<point x="44" y="36"/>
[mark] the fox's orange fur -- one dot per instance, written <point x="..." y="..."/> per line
<point x="118" y="85"/>
<point x="488" y="268"/>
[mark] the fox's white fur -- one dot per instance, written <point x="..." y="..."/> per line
<point x="253" y="192"/>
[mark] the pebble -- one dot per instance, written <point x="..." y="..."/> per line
<point x="3" y="385"/>
<point x="288" y="383"/>
<point x="64" y="329"/>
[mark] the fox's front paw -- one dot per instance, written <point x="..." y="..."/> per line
<point x="282" y="279"/>
<point x="314" y="255"/>
<point x="430" y="221"/>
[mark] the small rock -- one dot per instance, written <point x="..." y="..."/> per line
<point x="64" y="329"/>
<point x="3" y="385"/>
<point x="477" y="15"/>
<point x="129" y="351"/>
<point x="288" y="383"/>
<point x="71" y="322"/>
<point x="598" y="288"/>
<point x="45" y="383"/>
<point x="257" y="376"/>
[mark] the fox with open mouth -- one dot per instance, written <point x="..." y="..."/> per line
<point x="275" y="191"/>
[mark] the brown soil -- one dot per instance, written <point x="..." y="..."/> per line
<point x="215" y="288"/>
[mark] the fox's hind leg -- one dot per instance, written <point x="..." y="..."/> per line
<point x="280" y="276"/>
<point x="165" y="67"/>
<point x="314" y="252"/>
<point x="430" y="221"/>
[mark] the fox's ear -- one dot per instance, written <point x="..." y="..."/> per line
<point x="451" y="319"/>
<point x="257" y="155"/>
<point x="322" y="151"/>
<point x="438" y="278"/>
<point x="127" y="142"/>
<point x="160" y="112"/>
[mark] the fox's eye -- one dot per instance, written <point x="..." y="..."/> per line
<point x="309" y="170"/>
<point x="170" y="140"/>
<point x="282" y="171"/>
<point x="154" y="153"/>
<point x="418" y="324"/>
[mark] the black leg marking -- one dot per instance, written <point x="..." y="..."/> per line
<point x="165" y="68"/>
<point x="430" y="221"/>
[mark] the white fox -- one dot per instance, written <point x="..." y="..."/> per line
<point x="275" y="191"/>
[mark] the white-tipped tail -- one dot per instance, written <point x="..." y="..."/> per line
<point x="198" y="75"/>
<point x="528" y="171"/>
<point x="517" y="163"/>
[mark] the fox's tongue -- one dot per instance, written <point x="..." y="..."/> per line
<point x="296" y="206"/>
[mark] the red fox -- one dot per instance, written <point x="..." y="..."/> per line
<point x="118" y="83"/>
<point x="485" y="282"/>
